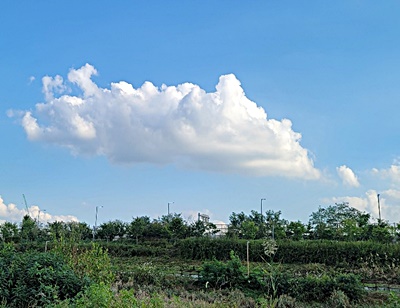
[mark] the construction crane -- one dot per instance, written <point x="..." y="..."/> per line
<point x="26" y="204"/>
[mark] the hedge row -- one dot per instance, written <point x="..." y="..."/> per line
<point x="325" y="252"/>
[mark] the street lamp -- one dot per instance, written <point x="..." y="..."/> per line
<point x="262" y="199"/>
<point x="168" y="206"/>
<point x="95" y="222"/>
<point x="379" y="208"/>
<point x="38" y="217"/>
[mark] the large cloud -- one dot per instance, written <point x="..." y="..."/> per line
<point x="12" y="213"/>
<point x="220" y="131"/>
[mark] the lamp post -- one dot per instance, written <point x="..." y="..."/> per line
<point x="95" y="222"/>
<point x="379" y="208"/>
<point x="262" y="216"/>
<point x="168" y="206"/>
<point x="38" y="217"/>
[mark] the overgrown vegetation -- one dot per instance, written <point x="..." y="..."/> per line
<point x="169" y="262"/>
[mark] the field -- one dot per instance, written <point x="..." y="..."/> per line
<point x="156" y="274"/>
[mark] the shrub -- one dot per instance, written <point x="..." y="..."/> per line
<point x="36" y="279"/>
<point x="92" y="262"/>
<point x="339" y="299"/>
<point x="217" y="274"/>
<point x="98" y="295"/>
<point x="312" y="288"/>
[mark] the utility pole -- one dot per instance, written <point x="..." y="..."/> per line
<point x="95" y="222"/>
<point x="168" y="206"/>
<point x="38" y="217"/>
<point x="262" y="216"/>
<point x="379" y="208"/>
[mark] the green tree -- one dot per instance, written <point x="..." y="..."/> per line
<point x="200" y="228"/>
<point x="339" y="221"/>
<point x="249" y="229"/>
<point x="275" y="225"/>
<point x="29" y="230"/>
<point x="157" y="229"/>
<point x="57" y="230"/>
<point x="79" y="230"/>
<point x="380" y="232"/>
<point x="9" y="232"/>
<point x="295" y="230"/>
<point x="137" y="227"/>
<point x="110" y="230"/>
<point x="176" y="226"/>
<point x="256" y="226"/>
<point x="235" y="224"/>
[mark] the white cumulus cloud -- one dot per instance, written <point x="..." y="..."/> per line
<point x="348" y="177"/>
<point x="220" y="131"/>
<point x="10" y="212"/>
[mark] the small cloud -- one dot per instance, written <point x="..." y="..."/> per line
<point x="348" y="177"/>
<point x="31" y="79"/>
<point x="392" y="173"/>
<point x="12" y="213"/>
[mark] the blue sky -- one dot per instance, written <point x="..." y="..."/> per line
<point x="234" y="86"/>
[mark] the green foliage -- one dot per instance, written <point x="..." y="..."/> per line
<point x="176" y="226"/>
<point x="257" y="226"/>
<point x="74" y="231"/>
<point x="295" y="230"/>
<point x="217" y="274"/>
<point x="339" y="222"/>
<point x="394" y="300"/>
<point x="333" y="252"/>
<point x="112" y="229"/>
<point x="36" y="279"/>
<point x="57" y="230"/>
<point x="311" y="288"/>
<point x="339" y="299"/>
<point x="325" y="252"/>
<point x="249" y="229"/>
<point x="137" y="227"/>
<point x="29" y="229"/>
<point x="147" y="274"/>
<point x="207" y="248"/>
<point x="145" y="249"/>
<point x="9" y="232"/>
<point x="98" y="295"/>
<point x="93" y="263"/>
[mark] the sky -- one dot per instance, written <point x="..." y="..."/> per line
<point x="209" y="106"/>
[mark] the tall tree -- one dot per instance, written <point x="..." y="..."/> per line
<point x="138" y="226"/>
<point x="29" y="230"/>
<point x="339" y="221"/>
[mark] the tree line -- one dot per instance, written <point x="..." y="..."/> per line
<point x="335" y="222"/>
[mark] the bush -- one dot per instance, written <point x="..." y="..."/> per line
<point x="93" y="262"/>
<point x="311" y="288"/>
<point x="217" y="274"/>
<point x="96" y="296"/>
<point x="36" y="279"/>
